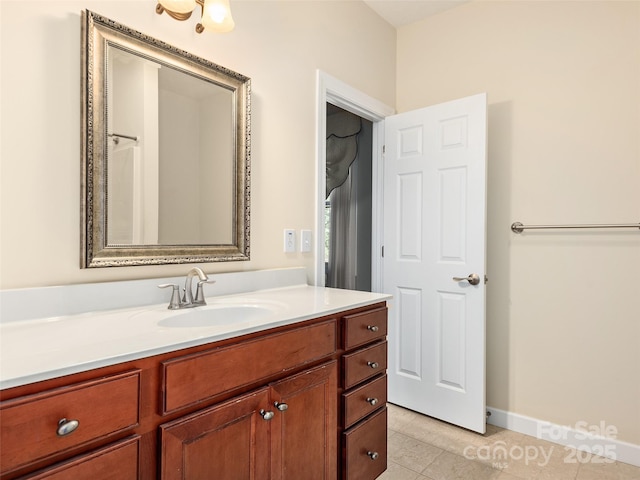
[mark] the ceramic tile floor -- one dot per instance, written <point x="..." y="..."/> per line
<point x="422" y="448"/>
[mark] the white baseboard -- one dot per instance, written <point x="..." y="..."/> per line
<point x="606" y="446"/>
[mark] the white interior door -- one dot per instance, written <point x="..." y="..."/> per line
<point x="434" y="240"/>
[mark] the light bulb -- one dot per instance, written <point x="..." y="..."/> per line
<point x="178" y="6"/>
<point x="216" y="16"/>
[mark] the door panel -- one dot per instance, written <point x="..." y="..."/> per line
<point x="452" y="215"/>
<point x="409" y="332"/>
<point x="452" y="348"/>
<point x="434" y="224"/>
<point x="409" y="228"/>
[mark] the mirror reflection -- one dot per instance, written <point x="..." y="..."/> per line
<point x="166" y="152"/>
<point x="170" y="155"/>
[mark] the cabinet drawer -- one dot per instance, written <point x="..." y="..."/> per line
<point x="365" y="448"/>
<point x="361" y="401"/>
<point x="115" y="462"/>
<point x="194" y="378"/>
<point x="364" y="327"/>
<point x="102" y="407"/>
<point x="364" y="363"/>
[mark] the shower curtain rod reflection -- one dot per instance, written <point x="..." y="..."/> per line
<point x="119" y="136"/>
<point x="517" y="227"/>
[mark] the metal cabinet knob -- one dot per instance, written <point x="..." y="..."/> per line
<point x="67" y="427"/>
<point x="281" y="406"/>
<point x="373" y="328"/>
<point x="373" y="455"/>
<point x="372" y="400"/>
<point x="267" y="415"/>
<point x="373" y="364"/>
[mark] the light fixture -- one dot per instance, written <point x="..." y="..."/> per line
<point x="215" y="14"/>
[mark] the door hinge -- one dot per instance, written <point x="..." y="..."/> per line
<point x="384" y="149"/>
<point x="383" y="251"/>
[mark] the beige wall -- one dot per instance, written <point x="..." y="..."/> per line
<point x="278" y="44"/>
<point x="563" y="83"/>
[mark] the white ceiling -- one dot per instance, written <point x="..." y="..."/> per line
<point x="403" y="12"/>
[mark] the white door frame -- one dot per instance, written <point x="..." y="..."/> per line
<point x="336" y="92"/>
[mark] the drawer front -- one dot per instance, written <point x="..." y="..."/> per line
<point x="365" y="327"/>
<point x="364" y="400"/>
<point x="115" y="462"/>
<point x="194" y="378"/>
<point x="364" y="363"/>
<point x="365" y="448"/>
<point x="102" y="407"/>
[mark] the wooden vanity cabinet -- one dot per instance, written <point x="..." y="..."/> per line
<point x="292" y="402"/>
<point x="283" y="431"/>
<point x="363" y="417"/>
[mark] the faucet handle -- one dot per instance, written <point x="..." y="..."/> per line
<point x="199" y="292"/>
<point x="175" y="301"/>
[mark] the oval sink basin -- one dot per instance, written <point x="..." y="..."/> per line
<point x="214" y="315"/>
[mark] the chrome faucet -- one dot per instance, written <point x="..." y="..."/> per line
<point x="187" y="300"/>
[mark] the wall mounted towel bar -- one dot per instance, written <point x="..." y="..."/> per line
<point x="517" y="227"/>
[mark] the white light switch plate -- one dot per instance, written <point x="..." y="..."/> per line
<point x="305" y="241"/>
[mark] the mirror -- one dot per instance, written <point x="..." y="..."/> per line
<point x="166" y="152"/>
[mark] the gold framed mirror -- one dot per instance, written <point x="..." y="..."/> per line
<point x="166" y="148"/>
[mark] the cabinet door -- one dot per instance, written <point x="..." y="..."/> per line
<point x="224" y="442"/>
<point x="303" y="431"/>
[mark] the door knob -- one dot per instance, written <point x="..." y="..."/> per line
<point x="473" y="279"/>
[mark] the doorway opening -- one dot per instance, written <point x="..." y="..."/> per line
<point x="331" y="91"/>
<point x="348" y="202"/>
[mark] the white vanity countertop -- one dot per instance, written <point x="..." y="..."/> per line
<point x="44" y="348"/>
